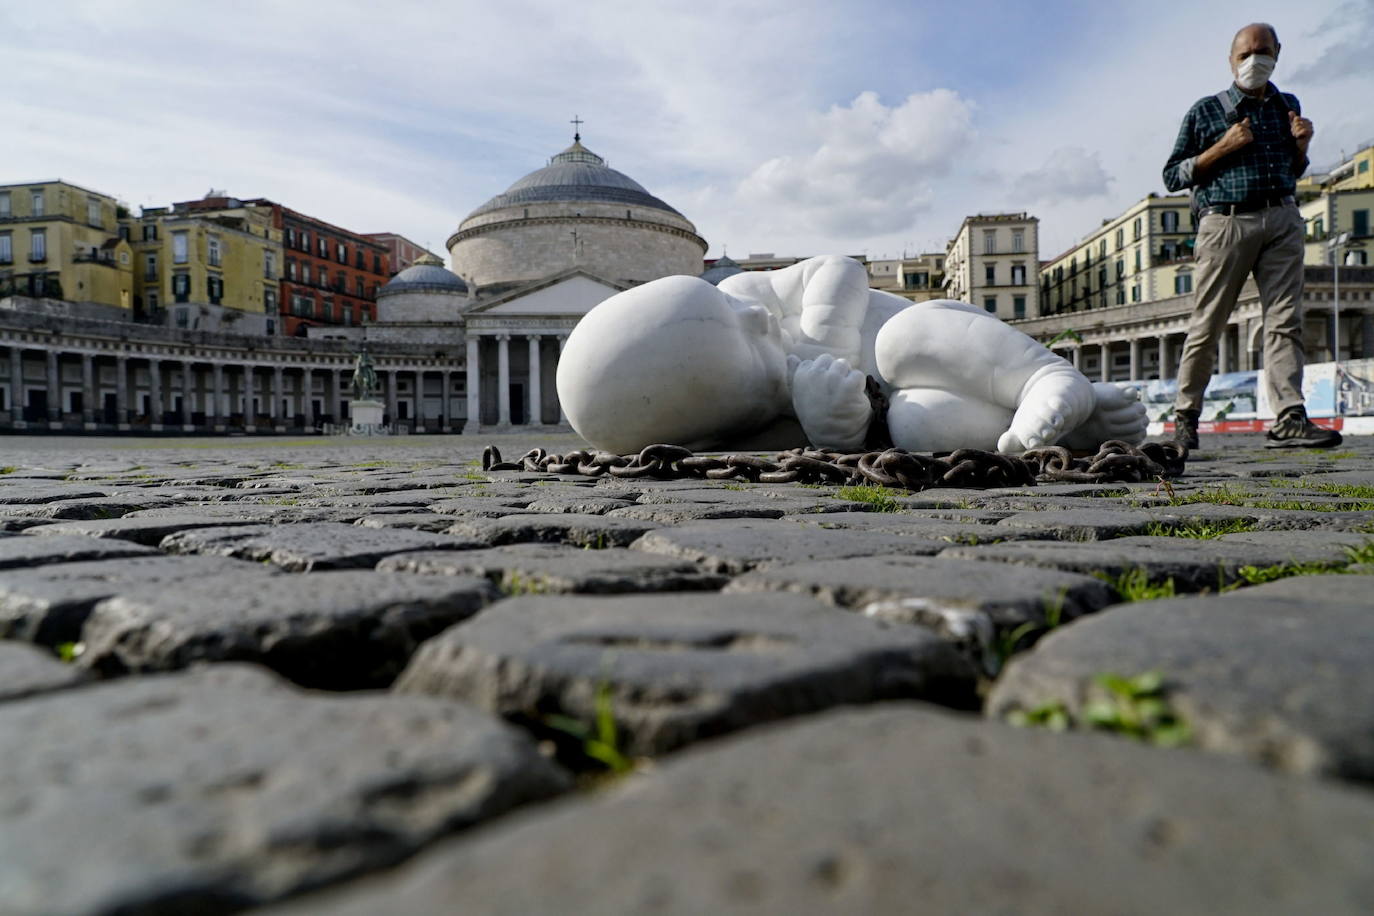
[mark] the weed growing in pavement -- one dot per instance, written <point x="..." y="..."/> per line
<point x="1347" y="490"/>
<point x="596" y="542"/>
<point x="514" y="584"/>
<point x="378" y="463"/>
<point x="1199" y="529"/>
<point x="1361" y="555"/>
<point x="877" y="497"/>
<point x="9" y="469"/>
<point x="733" y="486"/>
<point x="1339" y="456"/>
<point x="475" y="475"/>
<point x="69" y="652"/>
<point x="1007" y="644"/>
<point x="1135" y="585"/>
<point x="600" y="738"/>
<point x="1137" y="707"/>
<point x="1134" y="707"/>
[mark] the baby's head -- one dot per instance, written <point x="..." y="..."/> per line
<point x="675" y="360"/>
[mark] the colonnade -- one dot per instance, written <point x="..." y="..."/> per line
<point x="147" y="392"/>
<point x="533" y="413"/>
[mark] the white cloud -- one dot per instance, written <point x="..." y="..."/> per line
<point x="1070" y="173"/>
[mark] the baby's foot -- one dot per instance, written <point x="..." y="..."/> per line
<point x="829" y="400"/>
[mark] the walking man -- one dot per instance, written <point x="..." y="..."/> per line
<point x="1241" y="152"/>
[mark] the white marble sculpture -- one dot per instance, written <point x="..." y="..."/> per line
<point x="680" y="361"/>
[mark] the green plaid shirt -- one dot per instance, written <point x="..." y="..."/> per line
<point x="1268" y="167"/>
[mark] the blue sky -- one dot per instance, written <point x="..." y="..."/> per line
<point x="792" y="127"/>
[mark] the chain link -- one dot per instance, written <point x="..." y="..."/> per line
<point x="1115" y="462"/>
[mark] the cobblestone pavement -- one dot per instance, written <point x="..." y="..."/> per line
<point x="296" y="675"/>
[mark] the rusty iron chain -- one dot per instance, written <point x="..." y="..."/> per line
<point x="1115" y="462"/>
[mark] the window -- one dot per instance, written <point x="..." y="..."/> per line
<point x="5" y="211"/>
<point x="36" y="202"/>
<point x="180" y="252"/>
<point x="150" y="232"/>
<point x="1318" y="227"/>
<point x="1135" y="293"/>
<point x="358" y="261"/>
<point x="150" y="267"/>
<point x="990" y="274"/>
<point x="347" y="316"/>
<point x="1018" y="275"/>
<point x="376" y="264"/>
<point x="6" y="248"/>
<point x="38" y="244"/>
<point x="152" y="299"/>
<point x="327" y="310"/>
<point x="214" y="288"/>
<point x="1121" y="295"/>
<point x="1120" y="268"/>
<point x="183" y="316"/>
<point x="124" y="233"/>
<point x="341" y="253"/>
<point x="1018" y="306"/>
<point x="305" y="240"/>
<point x="212" y="251"/>
<point x="1168" y="220"/>
<point x="358" y="287"/>
<point x="1359" y="222"/>
<point x="1356" y="258"/>
<point x="1137" y="260"/>
<point x="1018" y="240"/>
<point x="1183" y="283"/>
<point x="1120" y="239"/>
<point x="324" y="247"/>
<point x="305" y="273"/>
<point x="1135" y="230"/>
<point x="990" y="304"/>
<point x="1102" y="249"/>
<point x="269" y="265"/>
<point x="269" y="301"/>
<point x="271" y="327"/>
<point x="93" y="211"/>
<point x="291" y="269"/>
<point x="291" y="238"/>
<point x="181" y="288"/>
<point x="1364" y="166"/>
<point x="989" y="241"/>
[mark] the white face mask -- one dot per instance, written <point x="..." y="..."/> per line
<point x="1254" y="71"/>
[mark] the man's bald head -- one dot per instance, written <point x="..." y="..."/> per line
<point x="1261" y="31"/>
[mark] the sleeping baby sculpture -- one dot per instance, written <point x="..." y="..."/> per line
<point x="680" y="361"/>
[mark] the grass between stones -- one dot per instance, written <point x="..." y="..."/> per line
<point x="1136" y="585"/>
<point x="1135" y="707"/>
<point x="599" y="739"/>
<point x="1226" y="496"/>
<point x="1196" y="528"/>
<point x="878" y="497"/>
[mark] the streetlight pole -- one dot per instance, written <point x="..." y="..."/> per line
<point x="1334" y="246"/>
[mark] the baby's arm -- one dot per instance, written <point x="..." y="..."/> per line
<point x="831" y="296"/>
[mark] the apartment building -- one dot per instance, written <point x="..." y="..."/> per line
<point x="918" y="278"/>
<point x="401" y="251"/>
<point x="62" y="241"/>
<point x="992" y="263"/>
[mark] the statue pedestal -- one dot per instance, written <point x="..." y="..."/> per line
<point x="365" y="418"/>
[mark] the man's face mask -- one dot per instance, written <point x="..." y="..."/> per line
<point x="1254" y="71"/>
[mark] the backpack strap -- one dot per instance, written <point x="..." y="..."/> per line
<point x="1228" y="107"/>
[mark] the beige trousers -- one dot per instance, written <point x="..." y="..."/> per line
<point x="1269" y="244"/>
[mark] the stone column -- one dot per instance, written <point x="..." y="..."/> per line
<point x="562" y="417"/>
<point x="1223" y="365"/>
<point x="336" y="398"/>
<point x="503" y="380"/>
<point x="16" y="386"/>
<point x="1165" y="370"/>
<point x="536" y="413"/>
<point x="217" y="420"/>
<point x="1367" y="335"/>
<point x="446" y="402"/>
<point x="388" y="378"/>
<point x="474" y="393"/>
<point x="88" y="391"/>
<point x="188" y="395"/>
<point x="155" y="394"/>
<point x="1078" y="357"/>
<point x="307" y="397"/>
<point x="278" y="392"/>
<point x="1135" y="358"/>
<point x="250" y="420"/>
<point x="54" y="389"/>
<point x="121" y="392"/>
<point x="1104" y="372"/>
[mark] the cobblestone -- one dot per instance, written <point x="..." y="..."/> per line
<point x="166" y="770"/>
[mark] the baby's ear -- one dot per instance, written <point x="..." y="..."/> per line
<point x="756" y="319"/>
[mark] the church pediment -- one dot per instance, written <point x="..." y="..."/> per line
<point x="572" y="292"/>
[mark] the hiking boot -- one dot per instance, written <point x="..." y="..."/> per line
<point x="1293" y="430"/>
<point x="1185" y="428"/>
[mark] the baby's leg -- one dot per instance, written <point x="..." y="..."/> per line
<point x="834" y="299"/>
<point x="981" y="359"/>
<point x="934" y="420"/>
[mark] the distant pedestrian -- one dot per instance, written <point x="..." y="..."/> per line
<point x="1241" y="152"/>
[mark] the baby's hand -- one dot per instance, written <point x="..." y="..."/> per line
<point x="1118" y="415"/>
<point x="829" y="400"/>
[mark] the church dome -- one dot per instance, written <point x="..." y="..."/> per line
<point x="426" y="275"/>
<point x="576" y="174"/>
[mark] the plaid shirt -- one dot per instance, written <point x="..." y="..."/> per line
<point x="1268" y="167"/>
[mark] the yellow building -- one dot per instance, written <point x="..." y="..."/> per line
<point x="1335" y="212"/>
<point x="992" y="263"/>
<point x="919" y="278"/>
<point x="209" y="265"/>
<point x="1143" y="255"/>
<point x="1353" y="174"/>
<point x="61" y="241"/>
